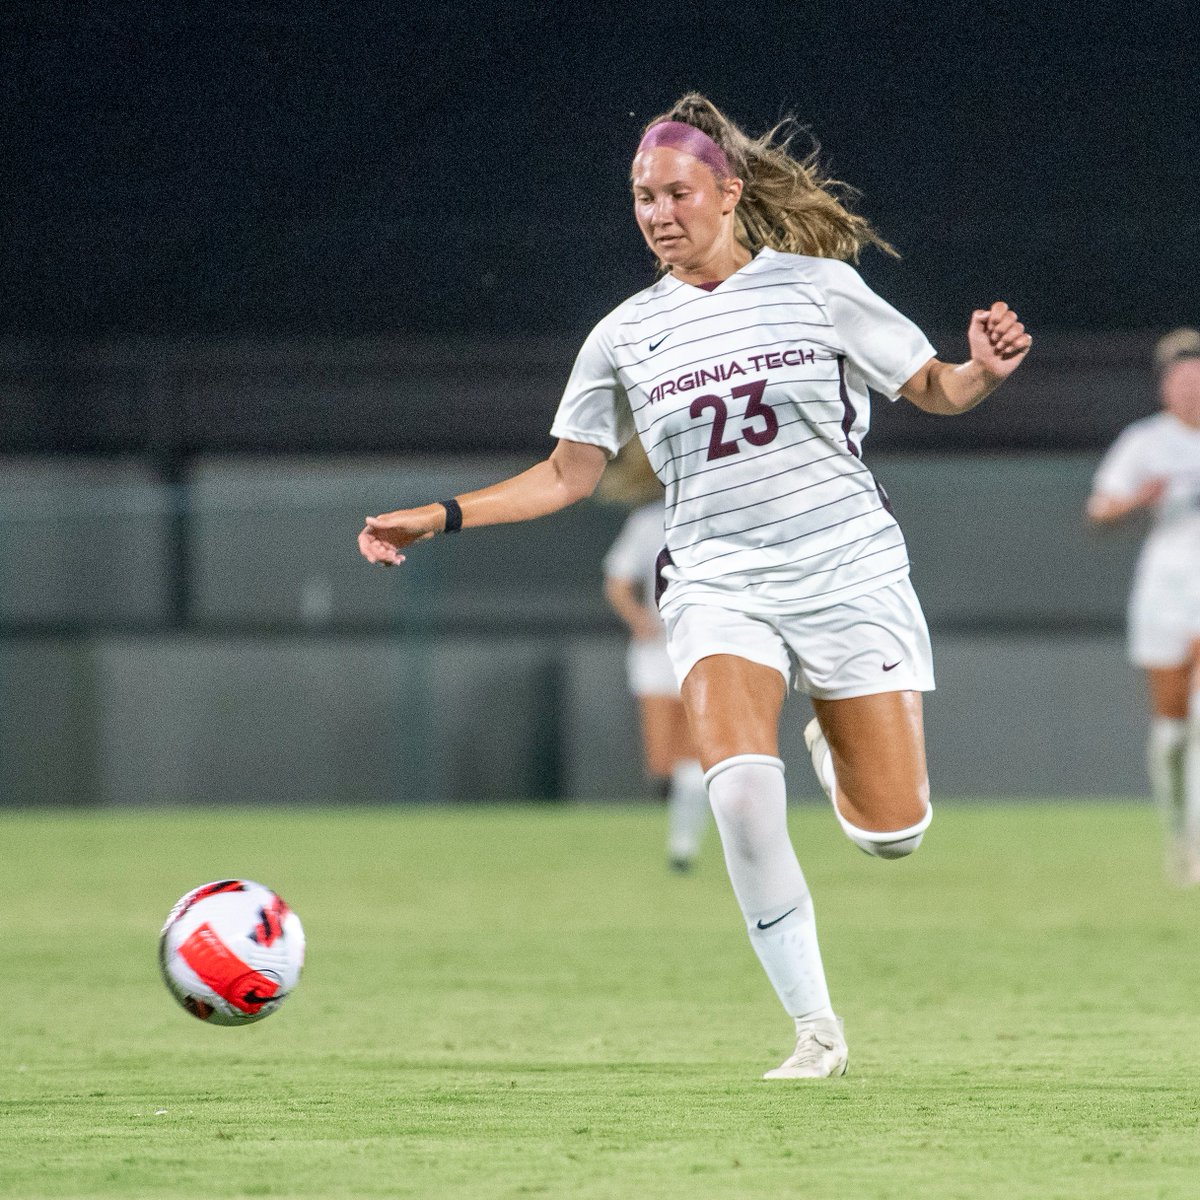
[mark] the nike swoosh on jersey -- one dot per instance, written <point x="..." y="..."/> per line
<point x="892" y="666"/>
<point x="655" y="345"/>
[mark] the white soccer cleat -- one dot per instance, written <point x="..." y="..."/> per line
<point x="820" y="1052"/>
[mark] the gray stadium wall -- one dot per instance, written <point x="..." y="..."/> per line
<point x="218" y="639"/>
<point x="394" y="719"/>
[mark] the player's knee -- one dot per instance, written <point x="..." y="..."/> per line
<point x="894" y="843"/>
<point x="748" y="801"/>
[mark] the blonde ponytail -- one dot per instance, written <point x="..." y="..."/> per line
<point x="787" y="204"/>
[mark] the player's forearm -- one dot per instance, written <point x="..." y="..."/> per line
<point x="569" y="474"/>
<point x="622" y="599"/>
<point x="543" y="489"/>
<point x="534" y="493"/>
<point x="1103" y="508"/>
<point x="948" y="389"/>
<point x="1108" y="510"/>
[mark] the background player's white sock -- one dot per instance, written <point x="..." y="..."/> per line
<point x="1165" y="747"/>
<point x="687" y="812"/>
<point x="1190" y="822"/>
<point x="749" y="802"/>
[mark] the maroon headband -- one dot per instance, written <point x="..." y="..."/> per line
<point x="678" y="135"/>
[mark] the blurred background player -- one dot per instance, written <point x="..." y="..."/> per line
<point x="629" y="583"/>
<point x="1154" y="466"/>
<point x="745" y="373"/>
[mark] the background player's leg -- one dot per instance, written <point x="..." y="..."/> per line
<point x="876" y="752"/>
<point x="1169" y="747"/>
<point x="1190" y="874"/>
<point x="671" y="758"/>
<point x="659" y="747"/>
<point x="734" y="705"/>
<point x="687" y="798"/>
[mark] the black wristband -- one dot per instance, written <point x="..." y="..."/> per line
<point x="453" y="515"/>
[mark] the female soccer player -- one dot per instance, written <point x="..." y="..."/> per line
<point x="744" y="371"/>
<point x="629" y="586"/>
<point x="1155" y="465"/>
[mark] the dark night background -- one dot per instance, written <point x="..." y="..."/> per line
<point x="266" y="268"/>
<point x="370" y="169"/>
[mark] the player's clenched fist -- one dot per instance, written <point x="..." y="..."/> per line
<point x="997" y="339"/>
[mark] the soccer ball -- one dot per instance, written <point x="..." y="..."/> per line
<point x="231" y="952"/>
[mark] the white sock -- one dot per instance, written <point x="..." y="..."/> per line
<point x="1191" y="776"/>
<point x="687" y="811"/>
<point x="895" y="843"/>
<point x="749" y="802"/>
<point x="1166" y="751"/>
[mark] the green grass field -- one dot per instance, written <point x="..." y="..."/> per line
<point x="522" y="1002"/>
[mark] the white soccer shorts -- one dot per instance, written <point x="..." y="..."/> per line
<point x="649" y="669"/>
<point x="1163" y="624"/>
<point x="874" y="643"/>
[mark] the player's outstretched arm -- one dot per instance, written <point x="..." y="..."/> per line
<point x="998" y="344"/>
<point x="569" y="474"/>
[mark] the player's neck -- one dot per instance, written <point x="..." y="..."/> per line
<point x="1189" y="418"/>
<point x="714" y="268"/>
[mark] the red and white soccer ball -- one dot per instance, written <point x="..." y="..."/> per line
<point x="231" y="952"/>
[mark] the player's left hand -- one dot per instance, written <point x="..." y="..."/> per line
<point x="383" y="537"/>
<point x="998" y="340"/>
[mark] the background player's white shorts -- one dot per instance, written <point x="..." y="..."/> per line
<point x="1163" y="624"/>
<point x="874" y="643"/>
<point x="649" y="669"/>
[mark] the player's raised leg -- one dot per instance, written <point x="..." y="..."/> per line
<point x="869" y="754"/>
<point x="734" y="706"/>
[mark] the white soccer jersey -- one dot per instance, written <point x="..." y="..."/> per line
<point x="1161" y="447"/>
<point x="751" y="401"/>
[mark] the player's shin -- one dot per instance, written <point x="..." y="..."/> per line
<point x="749" y="802"/>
